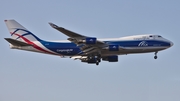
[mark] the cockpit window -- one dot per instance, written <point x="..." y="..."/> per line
<point x="159" y="36"/>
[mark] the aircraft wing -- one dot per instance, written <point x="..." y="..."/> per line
<point x="80" y="40"/>
<point x="66" y="32"/>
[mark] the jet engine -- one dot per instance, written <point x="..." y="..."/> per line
<point x="113" y="47"/>
<point x="88" y="40"/>
<point x="111" y="58"/>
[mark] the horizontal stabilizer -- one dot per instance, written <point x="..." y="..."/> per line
<point x="16" y="42"/>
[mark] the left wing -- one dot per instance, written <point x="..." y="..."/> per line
<point x="89" y="45"/>
<point x="66" y="32"/>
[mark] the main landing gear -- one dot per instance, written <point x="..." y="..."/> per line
<point x="98" y="59"/>
<point x="97" y="62"/>
<point x="155" y="57"/>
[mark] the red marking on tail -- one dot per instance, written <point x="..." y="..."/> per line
<point x="34" y="45"/>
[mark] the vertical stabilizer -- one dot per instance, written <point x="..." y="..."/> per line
<point x="20" y="33"/>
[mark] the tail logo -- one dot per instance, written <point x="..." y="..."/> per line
<point x="22" y="35"/>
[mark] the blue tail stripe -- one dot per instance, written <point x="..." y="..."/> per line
<point x="14" y="32"/>
<point x="23" y="35"/>
<point x="28" y="32"/>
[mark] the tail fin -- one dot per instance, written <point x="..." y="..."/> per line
<point x="20" y="33"/>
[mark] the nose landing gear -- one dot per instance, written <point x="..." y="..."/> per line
<point x="155" y="57"/>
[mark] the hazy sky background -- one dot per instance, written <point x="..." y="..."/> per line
<point x="27" y="76"/>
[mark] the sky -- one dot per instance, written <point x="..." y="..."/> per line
<point x="28" y="76"/>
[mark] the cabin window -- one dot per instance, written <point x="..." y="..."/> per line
<point x="150" y="36"/>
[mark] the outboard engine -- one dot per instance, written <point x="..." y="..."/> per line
<point x="91" y="40"/>
<point x="88" y="40"/>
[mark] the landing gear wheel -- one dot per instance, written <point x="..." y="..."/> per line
<point x="98" y="59"/>
<point x="97" y="63"/>
<point x="155" y="57"/>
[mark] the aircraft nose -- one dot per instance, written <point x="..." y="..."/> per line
<point x="171" y="43"/>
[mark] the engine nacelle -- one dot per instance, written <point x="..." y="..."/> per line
<point x="90" y="40"/>
<point x="113" y="47"/>
<point x="111" y="58"/>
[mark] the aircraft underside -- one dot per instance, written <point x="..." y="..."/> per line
<point x="105" y="55"/>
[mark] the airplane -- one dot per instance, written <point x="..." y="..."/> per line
<point x="87" y="49"/>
